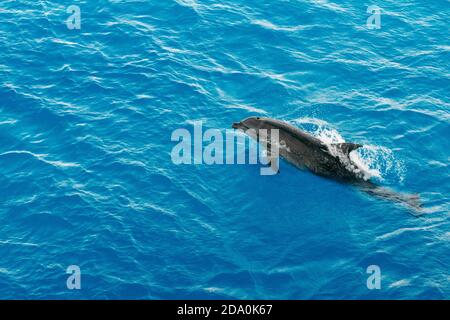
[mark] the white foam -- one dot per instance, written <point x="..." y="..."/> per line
<point x="368" y="164"/>
<point x="371" y="161"/>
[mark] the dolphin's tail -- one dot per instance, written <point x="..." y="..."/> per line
<point x="411" y="201"/>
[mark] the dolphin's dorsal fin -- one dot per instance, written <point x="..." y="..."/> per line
<point x="346" y="148"/>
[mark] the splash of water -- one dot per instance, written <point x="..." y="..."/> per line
<point x="374" y="162"/>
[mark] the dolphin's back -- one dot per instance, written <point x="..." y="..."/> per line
<point x="302" y="136"/>
<point x="304" y="150"/>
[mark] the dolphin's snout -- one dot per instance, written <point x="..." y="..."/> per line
<point x="236" y="125"/>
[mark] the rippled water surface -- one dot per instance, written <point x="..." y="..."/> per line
<point x="86" y="176"/>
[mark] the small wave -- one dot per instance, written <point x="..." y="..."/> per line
<point x="64" y="42"/>
<point x="247" y="108"/>
<point x="400" y="283"/>
<point x="329" y="5"/>
<point x="192" y="4"/>
<point x="138" y="25"/>
<point x="403" y="230"/>
<point x="269" y="25"/>
<point x="41" y="157"/>
<point x="18" y="243"/>
<point x="213" y="289"/>
<point x="8" y="122"/>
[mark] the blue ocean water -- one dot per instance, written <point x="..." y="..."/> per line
<point x="86" y="176"/>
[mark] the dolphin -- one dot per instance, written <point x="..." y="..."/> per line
<point x="331" y="161"/>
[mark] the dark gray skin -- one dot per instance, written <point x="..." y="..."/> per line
<point x="307" y="152"/>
